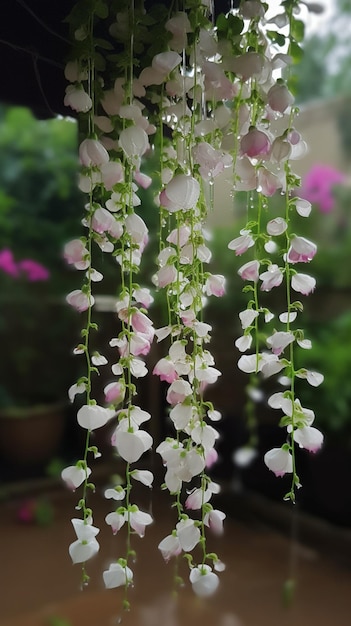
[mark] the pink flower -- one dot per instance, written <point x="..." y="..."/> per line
<point x="273" y="277"/>
<point x="181" y="193"/>
<point x="141" y="323"/>
<point x="279" y="98"/>
<point x="318" y="186"/>
<point x="279" y="341"/>
<point x="165" y="369"/>
<point x="75" y="253"/>
<point x="242" y="243"/>
<point x="92" y="152"/>
<point x="111" y="174"/>
<point x="249" y="271"/>
<point x="114" y="393"/>
<point x="212" y="162"/>
<point x="104" y="222"/>
<point x="301" y="250"/>
<point x="215" y="285"/>
<point x="214" y="520"/>
<point x="35" y="271"/>
<point x="169" y="546"/>
<point x="8" y="263"/>
<point x="178" y="391"/>
<point x="79" y="300"/>
<point x="255" y="144"/>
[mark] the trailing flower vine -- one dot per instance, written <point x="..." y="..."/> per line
<point x="206" y="94"/>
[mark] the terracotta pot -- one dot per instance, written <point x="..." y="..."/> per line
<point x="31" y="436"/>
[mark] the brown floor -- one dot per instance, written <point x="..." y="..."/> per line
<point x="39" y="586"/>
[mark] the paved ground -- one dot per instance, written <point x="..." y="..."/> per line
<point x="39" y="586"/>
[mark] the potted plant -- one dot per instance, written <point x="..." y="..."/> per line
<point x="35" y="368"/>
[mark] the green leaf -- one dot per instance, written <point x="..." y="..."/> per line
<point x="298" y="30"/>
<point x="295" y="51"/>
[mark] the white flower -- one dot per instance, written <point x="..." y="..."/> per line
<point x="130" y="446"/>
<point x="204" y="581"/>
<point x="117" y="576"/>
<point x="74" y="476"/>
<point x="309" y="438"/>
<point x="93" y="416"/>
<point x="86" y="546"/>
<point x="134" y="141"/>
<point x="188" y="534"/>
<point x="279" y="461"/>
<point x="144" y="476"/>
<point x="247" y="317"/>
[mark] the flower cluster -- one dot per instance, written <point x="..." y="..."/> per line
<point x="205" y="99"/>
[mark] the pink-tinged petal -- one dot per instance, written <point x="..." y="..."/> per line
<point x="166" y="62"/>
<point x="142" y="179"/>
<point x="111" y="174"/>
<point x="79" y="300"/>
<point x="255" y="144"/>
<point x="169" y="546"/>
<point x="138" y="521"/>
<point x="215" y="285"/>
<point x="178" y="391"/>
<point x="165" y="369"/>
<point x="114" y="393"/>
<point x="301" y="250"/>
<point x="309" y="438"/>
<point x="181" y="193"/>
<point x="134" y="141"/>
<point x="242" y="243"/>
<point x="273" y="277"/>
<point x="75" y="253"/>
<point x="136" y="228"/>
<point x="115" y="520"/>
<point x="279" y="461"/>
<point x="250" y="271"/>
<point x="279" y="341"/>
<point x="280" y="98"/>
<point x="214" y="520"/>
<point x="92" y="152"/>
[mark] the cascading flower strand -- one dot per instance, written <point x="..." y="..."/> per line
<point x="202" y="94"/>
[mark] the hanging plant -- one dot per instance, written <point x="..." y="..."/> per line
<point x="205" y="94"/>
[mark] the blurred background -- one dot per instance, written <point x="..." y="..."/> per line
<point x="40" y="210"/>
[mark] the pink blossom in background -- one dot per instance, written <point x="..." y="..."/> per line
<point x="35" y="271"/>
<point x="318" y="184"/>
<point x="8" y="263"/>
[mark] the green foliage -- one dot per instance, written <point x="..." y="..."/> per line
<point x="40" y="210"/>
